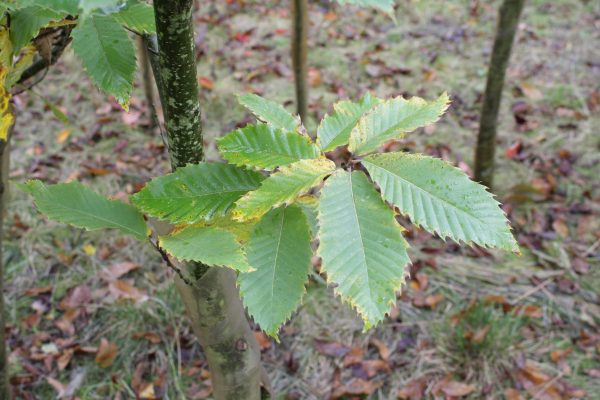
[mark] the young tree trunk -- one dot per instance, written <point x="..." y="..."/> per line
<point x="147" y="82"/>
<point x="299" y="50"/>
<point x="213" y="303"/>
<point x="4" y="165"/>
<point x="508" y="21"/>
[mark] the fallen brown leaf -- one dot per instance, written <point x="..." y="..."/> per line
<point x="356" y="386"/>
<point x="332" y="349"/>
<point x="107" y="352"/>
<point x="117" y="270"/>
<point x="382" y="348"/>
<point x="413" y="390"/>
<point x="152" y="337"/>
<point x="457" y="389"/>
<point x="513" y="394"/>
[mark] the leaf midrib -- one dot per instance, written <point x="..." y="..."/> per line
<point x="362" y="248"/>
<point x="243" y="190"/>
<point x="94" y="216"/>
<point x="275" y="263"/>
<point x="454" y="206"/>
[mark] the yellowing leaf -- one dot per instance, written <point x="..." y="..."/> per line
<point x="63" y="135"/>
<point x="282" y="187"/>
<point x="89" y="249"/>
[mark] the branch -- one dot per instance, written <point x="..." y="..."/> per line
<point x="64" y="38"/>
<point x="167" y="260"/>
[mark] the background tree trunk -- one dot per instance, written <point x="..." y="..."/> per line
<point x="147" y="82"/>
<point x="299" y="51"/>
<point x="508" y="21"/>
<point x="213" y="303"/>
<point x="4" y="166"/>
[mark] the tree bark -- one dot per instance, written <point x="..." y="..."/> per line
<point x="213" y="303"/>
<point x="219" y="321"/>
<point x="4" y="165"/>
<point x="177" y="64"/>
<point x="508" y="21"/>
<point x="299" y="55"/>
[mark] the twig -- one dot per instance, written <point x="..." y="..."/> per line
<point x="165" y="257"/>
<point x="30" y="86"/>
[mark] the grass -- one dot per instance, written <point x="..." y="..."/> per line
<point x="439" y="46"/>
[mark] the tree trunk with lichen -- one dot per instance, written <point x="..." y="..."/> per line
<point x="4" y="165"/>
<point x="508" y="21"/>
<point x="299" y="55"/>
<point x="212" y="302"/>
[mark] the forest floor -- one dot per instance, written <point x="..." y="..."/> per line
<point x="95" y="315"/>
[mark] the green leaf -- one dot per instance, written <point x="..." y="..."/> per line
<point x="282" y="187"/>
<point x="262" y="146"/>
<point x="107" y="54"/>
<point x="195" y="192"/>
<point x="441" y="199"/>
<point x="309" y="205"/>
<point x="334" y="130"/>
<point x="392" y="119"/>
<point x="138" y="17"/>
<point x="209" y="245"/>
<point x="63" y="6"/>
<point x="88" y="5"/>
<point x="25" y="24"/>
<point x="270" y="112"/>
<point x="361" y="245"/>
<point x="387" y="6"/>
<point x="279" y="249"/>
<point x="74" y="204"/>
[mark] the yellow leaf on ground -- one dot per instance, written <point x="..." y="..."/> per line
<point x="63" y="135"/>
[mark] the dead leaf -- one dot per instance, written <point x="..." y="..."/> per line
<point x="63" y="135"/>
<point x="560" y="227"/>
<point x="107" y="352"/>
<point x="76" y="297"/>
<point x="355" y="387"/>
<point x="434" y="299"/>
<point x="479" y="336"/>
<point x="263" y="340"/>
<point x="57" y="385"/>
<point x="39" y="290"/>
<point x="457" y="389"/>
<point x="382" y="348"/>
<point x="558" y="355"/>
<point x="148" y="392"/>
<point x="354" y="356"/>
<point x="513" y="394"/>
<point x="531" y="91"/>
<point x="413" y="390"/>
<point x="206" y="83"/>
<point x="529" y="310"/>
<point x="152" y="337"/>
<point x="314" y="77"/>
<point x="117" y="270"/>
<point x="332" y="349"/>
<point x="64" y="359"/>
<point x="373" y="367"/>
<point x="123" y="290"/>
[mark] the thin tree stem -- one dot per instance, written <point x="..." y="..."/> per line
<point x="508" y="21"/>
<point x="4" y="166"/>
<point x="147" y="82"/>
<point x="299" y="55"/>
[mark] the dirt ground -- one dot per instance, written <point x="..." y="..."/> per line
<point x="95" y="315"/>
